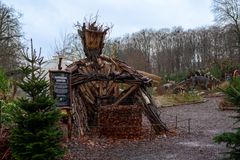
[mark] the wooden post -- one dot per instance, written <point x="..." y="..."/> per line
<point x="189" y="120"/>
<point x="60" y="63"/>
<point x="176" y="125"/>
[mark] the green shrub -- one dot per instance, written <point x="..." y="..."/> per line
<point x="177" y="77"/>
<point x="4" y="90"/>
<point x="8" y="110"/>
<point x="232" y="139"/>
<point x="4" y="85"/>
<point x="216" y="71"/>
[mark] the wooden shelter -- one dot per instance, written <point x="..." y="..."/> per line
<point x="100" y="82"/>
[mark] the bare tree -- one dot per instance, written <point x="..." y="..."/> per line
<point x="169" y="51"/>
<point x="10" y="33"/>
<point x="69" y="46"/>
<point x="228" y="12"/>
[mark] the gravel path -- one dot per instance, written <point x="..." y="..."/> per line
<point x="206" y="121"/>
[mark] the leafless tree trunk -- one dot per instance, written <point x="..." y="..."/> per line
<point x="227" y="12"/>
<point x="10" y="44"/>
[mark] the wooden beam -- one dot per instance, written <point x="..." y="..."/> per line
<point x="131" y="89"/>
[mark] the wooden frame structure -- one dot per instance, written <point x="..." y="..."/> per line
<point x="99" y="81"/>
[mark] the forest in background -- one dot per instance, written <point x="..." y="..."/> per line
<point x="161" y="51"/>
<point x="168" y="51"/>
<point x="177" y="50"/>
<point x="174" y="50"/>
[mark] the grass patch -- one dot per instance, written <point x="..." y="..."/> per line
<point x="178" y="99"/>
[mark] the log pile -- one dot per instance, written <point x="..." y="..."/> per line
<point x="122" y="121"/>
<point x="99" y="81"/>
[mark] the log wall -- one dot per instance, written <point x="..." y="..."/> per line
<point x="122" y="121"/>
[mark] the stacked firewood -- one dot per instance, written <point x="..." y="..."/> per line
<point x="99" y="81"/>
<point x="122" y="121"/>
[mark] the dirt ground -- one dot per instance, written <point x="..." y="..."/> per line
<point x="206" y="121"/>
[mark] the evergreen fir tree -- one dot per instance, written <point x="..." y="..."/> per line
<point x="37" y="134"/>
<point x="232" y="139"/>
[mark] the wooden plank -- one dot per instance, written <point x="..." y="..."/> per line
<point x="116" y="90"/>
<point x="89" y="92"/>
<point x="155" y="78"/>
<point x="85" y="94"/>
<point x="100" y="88"/>
<point x="150" y="110"/>
<point x="111" y="86"/>
<point x="107" y="69"/>
<point x="131" y="89"/>
<point x="105" y="83"/>
<point x="89" y="70"/>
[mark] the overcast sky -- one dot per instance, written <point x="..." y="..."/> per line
<point x="47" y="20"/>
